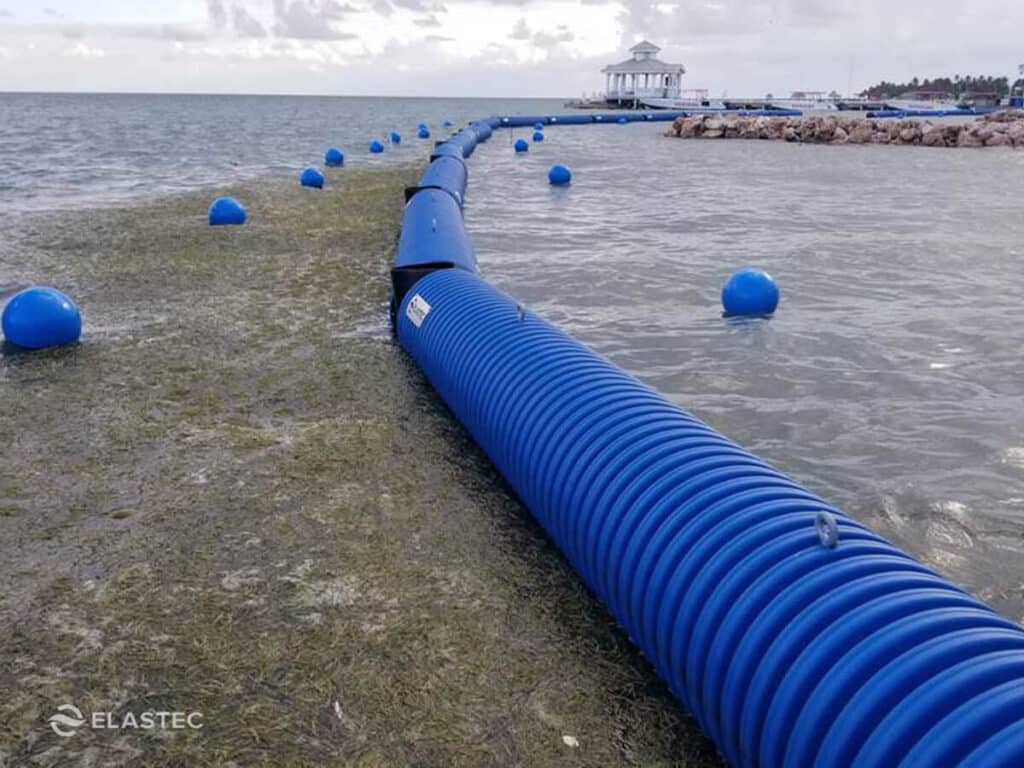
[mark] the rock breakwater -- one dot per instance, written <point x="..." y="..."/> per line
<point x="1001" y="129"/>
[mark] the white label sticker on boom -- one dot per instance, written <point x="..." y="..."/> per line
<point x="417" y="310"/>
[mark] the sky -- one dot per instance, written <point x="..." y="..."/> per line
<point x="498" y="48"/>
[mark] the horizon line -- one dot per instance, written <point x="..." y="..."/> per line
<point x="35" y="92"/>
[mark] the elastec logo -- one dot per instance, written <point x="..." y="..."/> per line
<point x="67" y="720"/>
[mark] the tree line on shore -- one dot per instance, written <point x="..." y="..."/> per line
<point x="956" y="86"/>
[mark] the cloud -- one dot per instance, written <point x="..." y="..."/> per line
<point x="217" y="13"/>
<point x="439" y="39"/>
<point x="383" y="8"/>
<point x="83" y="51"/>
<point x="6" y="14"/>
<point x="681" y="20"/>
<point x="429" y="21"/>
<point x="815" y="14"/>
<point x="309" y="20"/>
<point x="244" y="24"/>
<point x="551" y="39"/>
<point x="172" y="32"/>
<point x="521" y="31"/>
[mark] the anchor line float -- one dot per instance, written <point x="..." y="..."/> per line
<point x="795" y="635"/>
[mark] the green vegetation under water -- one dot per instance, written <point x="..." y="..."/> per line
<point x="237" y="496"/>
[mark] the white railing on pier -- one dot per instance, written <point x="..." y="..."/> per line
<point x="628" y="94"/>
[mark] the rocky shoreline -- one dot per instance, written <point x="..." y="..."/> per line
<point x="1001" y="129"/>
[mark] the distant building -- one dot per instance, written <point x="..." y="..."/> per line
<point x="643" y="75"/>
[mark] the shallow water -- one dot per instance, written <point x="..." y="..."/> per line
<point x="71" y="150"/>
<point x="889" y="380"/>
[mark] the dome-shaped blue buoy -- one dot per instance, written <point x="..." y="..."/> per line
<point x="312" y="177"/>
<point x="334" y="158"/>
<point x="395" y="137"/>
<point x="41" y="317"/>
<point x="538" y="126"/>
<point x="226" y="210"/>
<point x="423" y="133"/>
<point x="376" y="147"/>
<point x="538" y="136"/>
<point x="521" y="145"/>
<point x="750" y="292"/>
<point x="559" y="175"/>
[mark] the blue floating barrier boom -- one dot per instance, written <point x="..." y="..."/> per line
<point x="794" y="634"/>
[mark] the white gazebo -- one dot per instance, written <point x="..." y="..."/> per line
<point x="642" y="76"/>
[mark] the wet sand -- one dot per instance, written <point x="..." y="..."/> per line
<point x="237" y="496"/>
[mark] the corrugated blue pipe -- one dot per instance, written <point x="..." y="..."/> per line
<point x="795" y="635"/>
<point x="786" y="651"/>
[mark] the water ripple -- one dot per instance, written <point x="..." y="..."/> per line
<point x="890" y="380"/>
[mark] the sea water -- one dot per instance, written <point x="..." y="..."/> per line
<point x="889" y="381"/>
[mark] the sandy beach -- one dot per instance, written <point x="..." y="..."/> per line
<point x="237" y="496"/>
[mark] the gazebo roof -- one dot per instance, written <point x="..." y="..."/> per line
<point x="646" y="65"/>
<point x="644" y="46"/>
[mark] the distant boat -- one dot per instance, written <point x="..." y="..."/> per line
<point x="916" y="105"/>
<point x="809" y="101"/>
<point x="922" y="101"/>
<point x="692" y="99"/>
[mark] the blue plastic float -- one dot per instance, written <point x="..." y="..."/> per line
<point x="521" y="145"/>
<point x="423" y="132"/>
<point x="559" y="175"/>
<point x="311" y="177"/>
<point x="795" y="635"/>
<point x="395" y="137"/>
<point x="334" y="158"/>
<point x="226" y="211"/>
<point x="750" y="292"/>
<point x="41" y="317"/>
<point x="376" y="146"/>
<point x="538" y="136"/>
